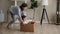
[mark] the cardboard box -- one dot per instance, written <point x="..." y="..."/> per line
<point x="27" y="27"/>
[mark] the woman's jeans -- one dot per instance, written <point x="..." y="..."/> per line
<point x="14" y="17"/>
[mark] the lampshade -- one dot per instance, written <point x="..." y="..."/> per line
<point x="44" y="2"/>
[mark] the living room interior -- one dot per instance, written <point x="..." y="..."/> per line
<point x="47" y="22"/>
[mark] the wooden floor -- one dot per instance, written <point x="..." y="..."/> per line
<point x="39" y="29"/>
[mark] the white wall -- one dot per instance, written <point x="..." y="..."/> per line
<point x="51" y="9"/>
<point x="4" y="5"/>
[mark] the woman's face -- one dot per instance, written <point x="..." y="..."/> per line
<point x="25" y="8"/>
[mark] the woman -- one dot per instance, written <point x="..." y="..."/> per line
<point x="18" y="14"/>
<point x="23" y="7"/>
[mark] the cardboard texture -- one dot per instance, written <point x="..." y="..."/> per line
<point x="27" y="27"/>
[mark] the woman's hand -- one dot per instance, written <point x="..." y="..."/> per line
<point x="21" y="20"/>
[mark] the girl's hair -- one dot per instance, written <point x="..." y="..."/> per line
<point x="23" y="5"/>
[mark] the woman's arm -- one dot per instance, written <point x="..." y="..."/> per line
<point x="20" y="18"/>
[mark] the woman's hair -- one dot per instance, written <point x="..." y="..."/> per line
<point x="23" y="5"/>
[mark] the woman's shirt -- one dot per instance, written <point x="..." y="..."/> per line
<point x="21" y="13"/>
<point x="16" y="10"/>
